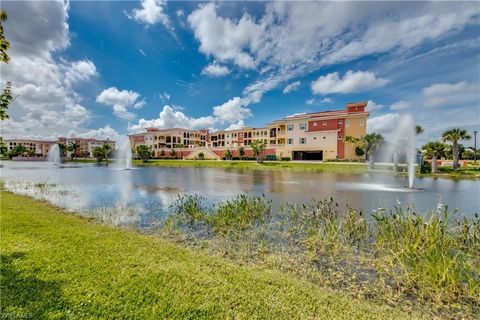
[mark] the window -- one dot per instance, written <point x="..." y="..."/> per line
<point x="303" y="140"/>
<point x="315" y="124"/>
<point x="324" y="123"/>
<point x="289" y="141"/>
<point x="362" y="122"/>
<point x="340" y="121"/>
<point x="347" y="123"/>
<point x="289" y="127"/>
<point x="303" y="126"/>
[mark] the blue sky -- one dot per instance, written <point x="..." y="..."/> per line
<point x="101" y="69"/>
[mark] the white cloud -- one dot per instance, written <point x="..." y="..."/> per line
<point x="373" y="106"/>
<point x="152" y="12"/>
<point x="400" y="105"/>
<point x="100" y="133"/>
<point x="383" y="123"/>
<point x="232" y="111"/>
<point x="47" y="104"/>
<point x="215" y="70"/>
<point x="120" y="101"/>
<point x="319" y="101"/>
<point x="236" y="126"/>
<point x="292" y="39"/>
<point x="296" y="114"/>
<point x="225" y="39"/>
<point x="35" y="30"/>
<point x="142" y="52"/>
<point x="80" y="71"/>
<point x="164" y="96"/>
<point x="169" y="118"/>
<point x="291" y="87"/>
<point x="443" y="94"/>
<point x="351" y="82"/>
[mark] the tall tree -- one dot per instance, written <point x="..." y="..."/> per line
<point x="6" y="97"/>
<point x="106" y="149"/>
<point x="73" y="148"/>
<point x="453" y="136"/>
<point x="241" y="152"/>
<point x="144" y="152"/>
<point x="63" y="148"/>
<point x="418" y="130"/>
<point x="4" y="44"/>
<point x="257" y="147"/>
<point x="434" y="150"/>
<point x="3" y="147"/>
<point x="371" y="143"/>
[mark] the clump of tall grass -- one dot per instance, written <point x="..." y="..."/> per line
<point x="397" y="255"/>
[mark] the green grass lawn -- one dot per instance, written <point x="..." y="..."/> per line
<point x="267" y="165"/>
<point x="57" y="265"/>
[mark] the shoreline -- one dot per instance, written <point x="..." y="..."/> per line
<point x="71" y="265"/>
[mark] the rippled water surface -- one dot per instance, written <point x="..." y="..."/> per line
<point x="143" y="195"/>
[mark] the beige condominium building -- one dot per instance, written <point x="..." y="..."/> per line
<point x="42" y="147"/>
<point x="166" y="139"/>
<point x="38" y="147"/>
<point x="310" y="136"/>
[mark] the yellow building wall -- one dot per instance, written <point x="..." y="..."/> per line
<point x="355" y="130"/>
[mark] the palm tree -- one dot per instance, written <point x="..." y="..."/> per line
<point x="257" y="147"/>
<point x="73" y="148"/>
<point x="106" y="149"/>
<point x="62" y="147"/>
<point x="434" y="150"/>
<point x="371" y="142"/>
<point x="453" y="136"/>
<point x="418" y="130"/>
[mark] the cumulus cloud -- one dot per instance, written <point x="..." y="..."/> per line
<point x="100" y="133"/>
<point x="215" y="70"/>
<point x="236" y="126"/>
<point x="80" y="71"/>
<point x="223" y="38"/>
<point x="373" y="106"/>
<point x="231" y="111"/>
<point x="383" y="123"/>
<point x="443" y="94"/>
<point x="351" y="82"/>
<point x="151" y="12"/>
<point x="47" y="104"/>
<point x="170" y="118"/>
<point x="400" y="105"/>
<point x="291" y="87"/>
<point x="292" y="39"/>
<point x="120" y="101"/>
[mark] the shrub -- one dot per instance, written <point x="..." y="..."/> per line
<point x="285" y="159"/>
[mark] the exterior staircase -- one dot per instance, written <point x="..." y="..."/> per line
<point x="207" y="154"/>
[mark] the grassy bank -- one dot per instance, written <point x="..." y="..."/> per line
<point x="267" y="165"/>
<point x="55" y="265"/>
<point x="333" y="167"/>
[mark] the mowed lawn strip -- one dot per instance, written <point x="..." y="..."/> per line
<point x="334" y="167"/>
<point x="57" y="265"/>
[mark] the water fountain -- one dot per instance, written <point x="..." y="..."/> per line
<point x="404" y="142"/>
<point x="54" y="154"/>
<point x="124" y="155"/>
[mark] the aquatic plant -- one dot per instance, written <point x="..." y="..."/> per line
<point x="398" y="255"/>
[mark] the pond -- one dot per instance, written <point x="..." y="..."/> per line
<point x="147" y="192"/>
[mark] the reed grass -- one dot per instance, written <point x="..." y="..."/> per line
<point x="427" y="261"/>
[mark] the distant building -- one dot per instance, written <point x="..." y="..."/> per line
<point x="312" y="136"/>
<point x="39" y="147"/>
<point x="42" y="147"/>
<point x="86" y="145"/>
